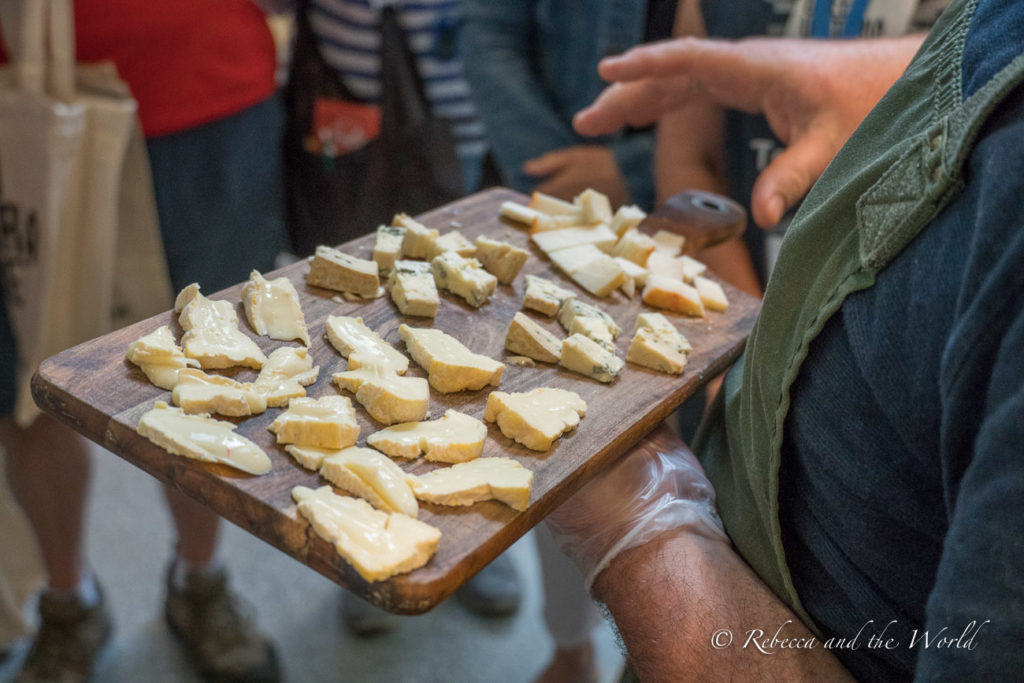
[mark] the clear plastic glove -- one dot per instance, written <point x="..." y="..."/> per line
<point x="658" y="486"/>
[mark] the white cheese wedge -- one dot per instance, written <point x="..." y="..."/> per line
<point x="669" y="242"/>
<point x="601" y="276"/>
<point x="361" y="345"/>
<point x="635" y="276"/>
<point x="594" y="328"/>
<point x="519" y="213"/>
<point x="500" y="259"/>
<point x="692" y="268"/>
<point x="388" y="246"/>
<point x="310" y="457"/>
<point x="200" y="437"/>
<point x="285" y="375"/>
<point x="456" y="437"/>
<point x="553" y="206"/>
<point x="658" y="345"/>
<point x="711" y="294"/>
<point x="574" y="308"/>
<point x="463" y="277"/>
<point x="571" y="259"/>
<point x="273" y="309"/>
<point x="544" y="296"/>
<point x="545" y="223"/>
<point x="529" y="339"/>
<point x="332" y="269"/>
<point x="452" y="240"/>
<point x="466" y="483"/>
<point x="377" y="544"/>
<point x="584" y="355"/>
<point x="413" y="289"/>
<point x="634" y="246"/>
<point x="388" y="397"/>
<point x="159" y="357"/>
<point x="595" y="206"/>
<point x="365" y="473"/>
<point x="675" y="295"/>
<point x="553" y="240"/>
<point x="660" y="263"/>
<point x="328" y="422"/>
<point x="625" y="218"/>
<point x="656" y="322"/>
<point x="197" y="392"/>
<point x="450" y="366"/>
<point x="535" y="418"/>
<point x="419" y="239"/>
<point x="211" y="334"/>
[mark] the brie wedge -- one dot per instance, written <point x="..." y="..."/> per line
<point x="456" y="437"/>
<point x="466" y="483"/>
<point x="328" y="422"/>
<point x="535" y="418"/>
<point x="365" y="473"/>
<point x="273" y="309"/>
<point x="450" y="366"/>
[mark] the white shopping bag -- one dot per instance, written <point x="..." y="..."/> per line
<point x="64" y="135"/>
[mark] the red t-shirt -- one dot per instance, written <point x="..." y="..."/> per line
<point x="188" y="62"/>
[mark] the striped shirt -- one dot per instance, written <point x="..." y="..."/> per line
<point x="349" y="40"/>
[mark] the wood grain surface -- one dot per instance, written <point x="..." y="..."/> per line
<point x="93" y="389"/>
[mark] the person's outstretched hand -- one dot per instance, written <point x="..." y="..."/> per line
<point x="568" y="171"/>
<point x="814" y="93"/>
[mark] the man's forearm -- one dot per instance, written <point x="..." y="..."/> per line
<point x="691" y="607"/>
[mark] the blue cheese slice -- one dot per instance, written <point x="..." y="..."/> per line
<point x="328" y="422"/>
<point x="529" y="339"/>
<point x="365" y="473"/>
<point x="501" y="259"/>
<point x="362" y="346"/>
<point x="211" y="334"/>
<point x="584" y="355"/>
<point x="413" y="289"/>
<point x="574" y="308"/>
<point x="466" y="483"/>
<point x="450" y="366"/>
<point x="456" y="437"/>
<point x="273" y="309"/>
<point x="463" y="277"/>
<point x="544" y="296"/>
<point x="387" y="248"/>
<point x="388" y="397"/>
<point x="535" y="418"/>
<point x="453" y="240"/>
<point x="159" y="357"/>
<point x="658" y="345"/>
<point x="420" y="241"/>
<point x="332" y="269"/>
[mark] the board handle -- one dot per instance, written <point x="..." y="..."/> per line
<point x="703" y="218"/>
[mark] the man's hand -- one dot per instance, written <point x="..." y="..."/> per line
<point x="569" y="171"/>
<point x="813" y="93"/>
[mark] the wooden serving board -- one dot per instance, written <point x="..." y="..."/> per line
<point x="94" y="390"/>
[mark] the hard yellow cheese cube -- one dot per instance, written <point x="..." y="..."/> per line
<point x="675" y="295"/>
<point x="501" y="259"/>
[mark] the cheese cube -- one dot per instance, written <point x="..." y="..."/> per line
<point x="273" y="308"/>
<point x="571" y="259"/>
<point x="362" y="346"/>
<point x="501" y="259"/>
<point x="197" y="392"/>
<point x="535" y="418"/>
<point x="159" y="357"/>
<point x="331" y="269"/>
<point x="466" y="483"/>
<point x="635" y="275"/>
<point x="377" y="544"/>
<point x="463" y="277"/>
<point x="285" y="375"/>
<point x="660" y="263"/>
<point x="711" y="294"/>
<point x="573" y="308"/>
<point x="450" y="365"/>
<point x="546" y="223"/>
<point x="600" y="276"/>
<point x="452" y="241"/>
<point x="584" y="355"/>
<point x="419" y="240"/>
<point x="544" y="295"/>
<point x="388" y="247"/>
<point x="519" y="213"/>
<point x="328" y="422"/>
<point x="669" y="242"/>
<point x="211" y="334"/>
<point x="599" y="235"/>
<point x="674" y="295"/>
<point x="552" y="206"/>
<point x="388" y="398"/>
<point x="692" y="268"/>
<point x="456" y="437"/>
<point x="529" y="339"/>
<point x="413" y="289"/>
<point x="365" y="473"/>
<point x="595" y="206"/>
<point x="634" y="246"/>
<point x="625" y="218"/>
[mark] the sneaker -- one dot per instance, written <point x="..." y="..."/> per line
<point x="69" y="642"/>
<point x="363" y="619"/>
<point x="218" y="631"/>
<point x="494" y="591"/>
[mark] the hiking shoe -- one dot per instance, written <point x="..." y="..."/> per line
<point x="69" y="642"/>
<point x="218" y="631"/>
<point x="364" y="619"/>
<point x="494" y="591"/>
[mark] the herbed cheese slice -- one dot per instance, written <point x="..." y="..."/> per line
<point x="310" y="457"/>
<point x="328" y="422"/>
<point x="362" y="346"/>
<point x="657" y="344"/>
<point x="656" y="322"/>
<point x="595" y="328"/>
<point x="452" y="240"/>
<point x="519" y="213"/>
<point x="553" y="240"/>
<point x="466" y="483"/>
<point x="377" y="544"/>
<point x="450" y="366"/>
<point x="625" y="218"/>
<point x="529" y="339"/>
<point x="571" y="259"/>
<point x="669" y="242"/>
<point x="544" y="295"/>
<point x="200" y="437"/>
<point x="366" y="473"/>
<point x="388" y="397"/>
<point x="584" y="355"/>
<point x="388" y="247"/>
<point x="634" y="246"/>
<point x="535" y="418"/>
<point x="331" y="269"/>
<point x="456" y="437"/>
<point x="553" y="206"/>
<point x="413" y="289"/>
<point x="692" y="268"/>
<point x="197" y="392"/>
<point x="211" y="334"/>
<point x="574" y="308"/>
<point x="601" y="276"/>
<point x="595" y="206"/>
<point x="463" y="277"/>
<point x="273" y="309"/>
<point x="285" y="375"/>
<point x="675" y="295"/>
<point x="501" y="259"/>
<point x="711" y="294"/>
<point x="159" y="357"/>
<point x="419" y="239"/>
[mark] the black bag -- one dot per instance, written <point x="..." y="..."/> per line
<point x="411" y="166"/>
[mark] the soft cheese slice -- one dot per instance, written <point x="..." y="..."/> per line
<point x="584" y="355"/>
<point x="501" y="259"/>
<point x="466" y="483"/>
<point x="202" y="438"/>
<point x="285" y="375"/>
<point x="675" y="295"/>
<point x="362" y="346"/>
<point x="553" y="206"/>
<point x="456" y="437"/>
<point x="332" y="269"/>
<point x="388" y="397"/>
<point x="711" y="294"/>
<point x="328" y="422"/>
<point x="366" y="473"/>
<point x="625" y="218"/>
<point x="273" y="309"/>
<point x="413" y="289"/>
<point x="601" y="276"/>
<point x="159" y="357"/>
<point x="535" y="418"/>
<point x="634" y="246"/>
<point x="529" y="339"/>
<point x="211" y="332"/>
<point x="574" y="308"/>
<point x="669" y="242"/>
<point x="595" y="206"/>
<point x="464" y="277"/>
<point x="453" y="240"/>
<point x="388" y="246"/>
<point x="197" y="392"/>
<point x="553" y="240"/>
<point x="658" y="345"/>
<point x="450" y="366"/>
<point x="377" y="544"/>
<point x="544" y="295"/>
<point x="419" y="239"/>
<point x="310" y="457"/>
<point x="519" y="213"/>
